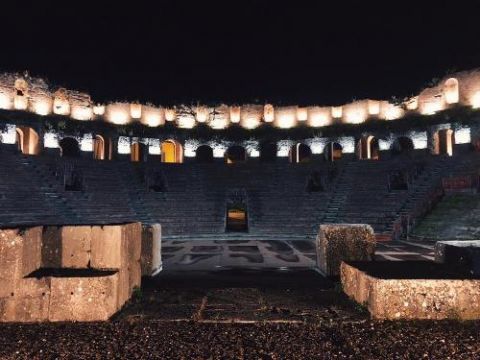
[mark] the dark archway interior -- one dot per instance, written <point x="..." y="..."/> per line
<point x="70" y="147"/>
<point x="236" y="154"/>
<point x="204" y="154"/>
<point x="402" y="145"/>
<point x="268" y="152"/>
<point x="333" y="151"/>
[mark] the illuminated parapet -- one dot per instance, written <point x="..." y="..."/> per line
<point x="235" y="114"/>
<point x="391" y="111"/>
<point x="6" y="91"/>
<point x="135" y="111"/>
<point x="286" y="117"/>
<point x="186" y="117"/>
<point x="99" y="110"/>
<point x="251" y="116"/>
<point x="40" y="98"/>
<point x="152" y="116"/>
<point x="61" y="104"/>
<point x="373" y="107"/>
<point x="268" y="113"/>
<point x="81" y="107"/>
<point x="20" y="99"/>
<point x="118" y="113"/>
<point x="170" y="114"/>
<point x="356" y="112"/>
<point x="319" y="116"/>
<point x="202" y="114"/>
<point x="337" y="112"/>
<point x="451" y="91"/>
<point x="412" y="103"/>
<point x="220" y="118"/>
<point x="302" y="114"/>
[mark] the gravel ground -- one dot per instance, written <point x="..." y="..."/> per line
<point x="288" y="319"/>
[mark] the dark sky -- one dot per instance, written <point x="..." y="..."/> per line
<point x="308" y="52"/>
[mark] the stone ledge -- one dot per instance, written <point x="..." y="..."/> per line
<point x="427" y="296"/>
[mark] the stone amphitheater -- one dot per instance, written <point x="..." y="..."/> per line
<point x="93" y="196"/>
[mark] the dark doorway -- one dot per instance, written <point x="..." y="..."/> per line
<point x="235" y="154"/>
<point x="268" y="152"/>
<point x="204" y="154"/>
<point x="69" y="147"/>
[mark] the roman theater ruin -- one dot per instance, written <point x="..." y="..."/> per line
<point x="89" y="192"/>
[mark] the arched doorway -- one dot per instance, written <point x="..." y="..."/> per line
<point x="402" y="145"/>
<point x="368" y="148"/>
<point x="138" y="152"/>
<point x="235" y="154"/>
<point x="172" y="152"/>
<point x="27" y="140"/>
<point x="204" y="154"/>
<point x="268" y="152"/>
<point x="333" y="151"/>
<point x="69" y="147"/>
<point x="300" y="153"/>
<point x="443" y="142"/>
<point x="99" y="148"/>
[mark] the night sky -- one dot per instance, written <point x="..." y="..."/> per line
<point x="315" y="52"/>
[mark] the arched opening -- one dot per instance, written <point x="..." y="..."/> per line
<point x="443" y="142"/>
<point x="300" y="153"/>
<point x="451" y="91"/>
<point x="268" y="152"/>
<point x="27" y="140"/>
<point x="69" y="147"/>
<point x="99" y="148"/>
<point x="138" y="152"/>
<point x="402" y="145"/>
<point x="237" y="220"/>
<point x="368" y="148"/>
<point x="333" y="151"/>
<point x="235" y="154"/>
<point x="204" y="154"/>
<point x="172" y="152"/>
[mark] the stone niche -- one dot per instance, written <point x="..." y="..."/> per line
<point x="73" y="273"/>
<point x="412" y="290"/>
<point x="341" y="242"/>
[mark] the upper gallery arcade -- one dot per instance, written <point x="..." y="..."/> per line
<point x="25" y="93"/>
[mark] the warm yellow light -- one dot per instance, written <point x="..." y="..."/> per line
<point x="337" y="112"/>
<point x="476" y="100"/>
<point x="20" y="103"/>
<point x="118" y="113"/>
<point x="318" y="119"/>
<point x="235" y="114"/>
<point x="202" y="114"/>
<point x="302" y="114"/>
<point x="268" y="113"/>
<point x="5" y="101"/>
<point x="451" y="91"/>
<point x="152" y="116"/>
<point x="42" y="107"/>
<point x="373" y="107"/>
<point x="170" y="114"/>
<point x="355" y="115"/>
<point x="81" y="112"/>
<point x="99" y="110"/>
<point x="135" y="111"/>
<point x="412" y="103"/>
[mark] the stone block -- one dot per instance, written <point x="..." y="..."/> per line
<point x="11" y="251"/>
<point x="151" y="249"/>
<point x="52" y="247"/>
<point x="462" y="255"/>
<point x="76" y="246"/>
<point x="343" y="242"/>
<point x="83" y="298"/>
<point x="107" y="247"/>
<point x="30" y="302"/>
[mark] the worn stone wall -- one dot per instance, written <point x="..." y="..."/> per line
<point x="101" y="267"/>
<point x="412" y="298"/>
<point x="342" y="242"/>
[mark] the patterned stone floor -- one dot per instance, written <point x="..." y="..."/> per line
<point x="179" y="255"/>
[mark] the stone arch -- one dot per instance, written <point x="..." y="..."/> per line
<point x="99" y="148"/>
<point x="451" y="91"/>
<point x="172" y="151"/>
<point x="268" y="152"/>
<point x="235" y="154"/>
<point x="138" y="152"/>
<point x="402" y="145"/>
<point x="333" y="151"/>
<point x="368" y="148"/>
<point x="443" y="141"/>
<point x="300" y="153"/>
<point x="69" y="147"/>
<point x="204" y="154"/>
<point x="27" y="140"/>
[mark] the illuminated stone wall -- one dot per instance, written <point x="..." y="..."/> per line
<point x="23" y="92"/>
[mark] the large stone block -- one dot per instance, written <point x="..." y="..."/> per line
<point x="11" y="251"/>
<point x="76" y="242"/>
<point x="83" y="298"/>
<point x="151" y="249"/>
<point x="29" y="303"/>
<point x="343" y="242"/>
<point x="32" y="250"/>
<point x="107" y="247"/>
